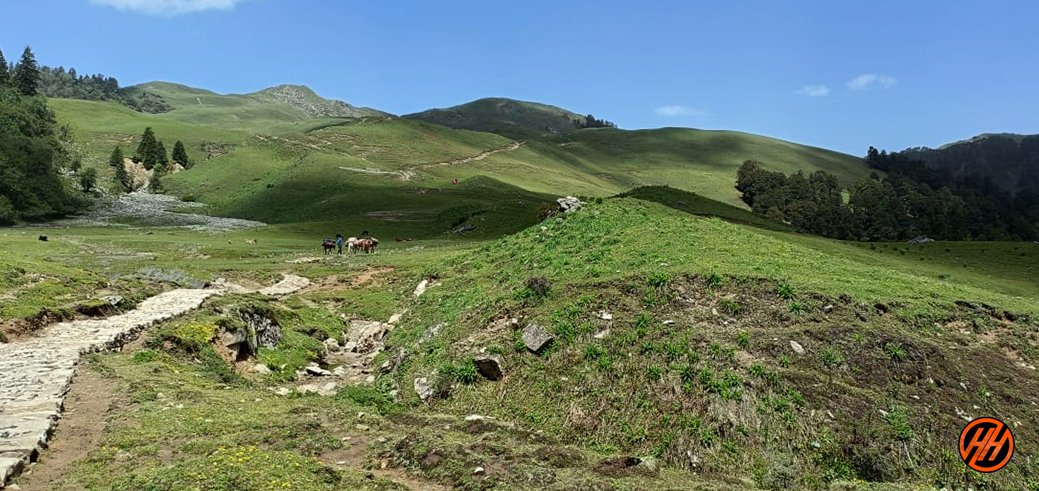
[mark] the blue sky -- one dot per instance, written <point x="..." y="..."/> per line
<point x="838" y="74"/>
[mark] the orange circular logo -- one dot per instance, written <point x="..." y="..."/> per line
<point x="986" y="444"/>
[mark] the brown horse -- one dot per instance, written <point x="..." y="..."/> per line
<point x="328" y="245"/>
<point x="367" y="245"/>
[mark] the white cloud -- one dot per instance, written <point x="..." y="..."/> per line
<point x="814" y="90"/>
<point x="169" y="7"/>
<point x="869" y="81"/>
<point x="675" y="111"/>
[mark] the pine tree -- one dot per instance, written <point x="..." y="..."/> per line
<point x="146" y="149"/>
<point x="5" y="76"/>
<point x="27" y="73"/>
<point x="88" y="179"/>
<point x="161" y="157"/>
<point x="116" y="159"/>
<point x="180" y="156"/>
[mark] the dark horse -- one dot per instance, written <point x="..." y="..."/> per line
<point x="328" y="245"/>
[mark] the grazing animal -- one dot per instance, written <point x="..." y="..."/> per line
<point x="328" y="245"/>
<point x="351" y="245"/>
<point x="367" y="245"/>
<point x="43" y="238"/>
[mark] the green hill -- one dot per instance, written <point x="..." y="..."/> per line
<point x="698" y="205"/>
<point x="695" y="364"/>
<point x="281" y="157"/>
<point x="1009" y="160"/>
<point x="497" y="114"/>
<point x="256" y="111"/>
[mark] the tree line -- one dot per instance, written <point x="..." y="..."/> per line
<point x="58" y="82"/>
<point x="151" y="153"/>
<point x="591" y="122"/>
<point x="33" y="150"/>
<point x="911" y="200"/>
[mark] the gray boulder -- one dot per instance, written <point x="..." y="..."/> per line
<point x="535" y="338"/>
<point x="569" y="204"/>
<point x="423" y="388"/>
<point x="489" y="366"/>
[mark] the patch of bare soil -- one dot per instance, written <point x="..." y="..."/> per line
<point x="353" y="455"/>
<point x="368" y="275"/>
<point x="90" y="401"/>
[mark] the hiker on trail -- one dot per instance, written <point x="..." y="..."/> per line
<point x="339" y="243"/>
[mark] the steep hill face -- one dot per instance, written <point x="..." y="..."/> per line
<point x="255" y="111"/>
<point x="307" y="101"/>
<point x="1011" y="161"/>
<point x="500" y="114"/>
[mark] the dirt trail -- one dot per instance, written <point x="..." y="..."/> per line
<point x="36" y="372"/>
<point x="482" y="155"/>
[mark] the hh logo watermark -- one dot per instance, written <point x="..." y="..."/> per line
<point x="986" y="444"/>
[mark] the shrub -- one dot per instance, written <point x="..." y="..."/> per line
<point x="659" y="279"/>
<point x="743" y="340"/>
<point x="464" y="372"/>
<point x="537" y="287"/>
<point x="831" y="358"/>
<point x="896" y="352"/>
<point x="730" y="306"/>
<point x="145" y="356"/>
<point x="796" y="307"/>
<point x="785" y="291"/>
<point x="713" y="280"/>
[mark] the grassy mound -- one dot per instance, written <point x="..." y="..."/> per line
<point x="697" y="364"/>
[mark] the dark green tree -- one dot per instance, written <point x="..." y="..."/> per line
<point x="180" y="155"/>
<point x="147" y="149"/>
<point x="88" y="179"/>
<point x="116" y="158"/>
<point x="5" y="76"/>
<point x="155" y="182"/>
<point x="27" y="73"/>
<point x="161" y="157"/>
<point x="122" y="178"/>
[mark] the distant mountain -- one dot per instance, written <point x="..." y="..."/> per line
<point x="1009" y="160"/>
<point x="307" y="101"/>
<point x="499" y="115"/>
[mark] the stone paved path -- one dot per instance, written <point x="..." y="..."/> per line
<point x="35" y="372"/>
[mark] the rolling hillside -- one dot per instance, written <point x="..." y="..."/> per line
<point x="1011" y="161"/>
<point x="497" y="114"/>
<point x="279" y="156"/>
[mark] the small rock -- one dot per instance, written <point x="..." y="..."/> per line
<point x="649" y="464"/>
<point x="314" y="369"/>
<point x="339" y="371"/>
<point x="395" y="318"/>
<point x="423" y="388"/>
<point x="714" y="311"/>
<point x="421" y="288"/>
<point x="602" y="334"/>
<point x="797" y="347"/>
<point x="828" y="308"/>
<point x="350" y="346"/>
<point x="604" y="315"/>
<point x="695" y="461"/>
<point x="478" y="471"/>
<point x="369" y="379"/>
<point x="261" y="369"/>
<point x="331" y="345"/>
<point x="362" y="427"/>
<point x="475" y="417"/>
<point x="535" y="338"/>
<point x="489" y="366"/>
<point x="669" y="322"/>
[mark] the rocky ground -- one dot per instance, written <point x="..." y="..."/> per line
<point x="156" y="210"/>
<point x="36" y="372"/>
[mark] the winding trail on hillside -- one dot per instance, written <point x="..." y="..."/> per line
<point x="36" y="372"/>
<point x="482" y="155"/>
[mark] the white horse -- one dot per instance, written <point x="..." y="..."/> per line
<point x="351" y="244"/>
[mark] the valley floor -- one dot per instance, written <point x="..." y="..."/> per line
<point x="672" y="365"/>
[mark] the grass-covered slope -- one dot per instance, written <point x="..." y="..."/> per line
<point x="696" y="365"/>
<point x="497" y="114"/>
<point x="700" y="206"/>
<point x="275" y="162"/>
